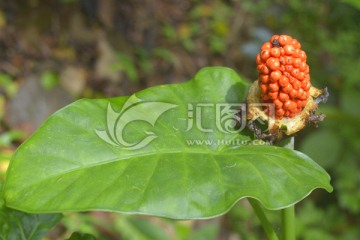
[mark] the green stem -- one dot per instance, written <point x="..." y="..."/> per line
<point x="270" y="232"/>
<point x="288" y="214"/>
<point x="288" y="223"/>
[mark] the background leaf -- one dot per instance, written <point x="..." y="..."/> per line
<point x="19" y="225"/>
<point x="323" y="146"/>
<point x="15" y="225"/>
<point x="206" y="232"/>
<point x="81" y="236"/>
<point x="184" y="173"/>
<point x="141" y="229"/>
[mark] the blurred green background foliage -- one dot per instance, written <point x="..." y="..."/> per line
<point x="54" y="52"/>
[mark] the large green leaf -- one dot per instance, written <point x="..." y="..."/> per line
<point x="144" y="154"/>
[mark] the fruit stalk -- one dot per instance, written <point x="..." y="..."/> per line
<point x="288" y="214"/>
<point x="288" y="223"/>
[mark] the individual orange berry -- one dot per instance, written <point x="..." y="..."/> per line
<point x="298" y="103"/>
<point x="295" y="72"/>
<point x="289" y="50"/>
<point x="288" y="68"/>
<point x="295" y="43"/>
<point x="296" y="53"/>
<point x="307" y="77"/>
<point x="283" y="97"/>
<point x="304" y="83"/>
<point x="287" y="74"/>
<point x="296" y="85"/>
<point x="282" y="52"/>
<point x="273" y="95"/>
<point x="293" y="93"/>
<point x="293" y="107"/>
<point x="282" y="60"/>
<point x="302" y="55"/>
<point x="303" y="96"/>
<point x="273" y="38"/>
<point x="264" y="70"/>
<point x="302" y="67"/>
<point x="273" y="87"/>
<point x="265" y="54"/>
<point x="284" y="40"/>
<point x="293" y="112"/>
<point x="292" y="80"/>
<point x="291" y="115"/>
<point x="306" y="87"/>
<point x="301" y="76"/>
<point x="297" y="62"/>
<point x="300" y="92"/>
<point x="275" y="52"/>
<point x="264" y="78"/>
<point x="264" y="88"/>
<point x="275" y="76"/>
<point x="273" y="63"/>
<point x="283" y="81"/>
<point x="258" y="59"/>
<point x="289" y="60"/>
<point x="279" y="112"/>
<point x="287" y="105"/>
<point x="287" y="89"/>
<point x="278" y="103"/>
<point x="303" y="103"/>
<point x="266" y="45"/>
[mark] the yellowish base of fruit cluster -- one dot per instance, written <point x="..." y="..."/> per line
<point x="287" y="126"/>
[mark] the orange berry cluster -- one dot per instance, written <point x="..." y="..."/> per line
<point x="284" y="78"/>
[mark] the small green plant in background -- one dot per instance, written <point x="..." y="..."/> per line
<point x="8" y="85"/>
<point x="207" y="24"/>
<point x="49" y="80"/>
<point x="126" y="64"/>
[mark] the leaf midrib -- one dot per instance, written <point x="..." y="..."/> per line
<point x="212" y="153"/>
